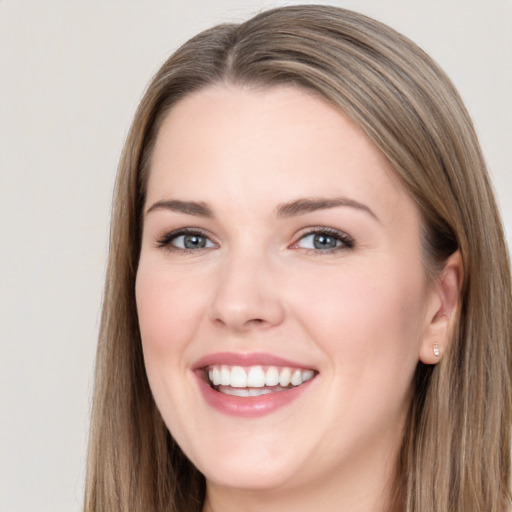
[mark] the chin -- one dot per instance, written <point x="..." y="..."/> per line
<point x="249" y="470"/>
<point x="247" y="478"/>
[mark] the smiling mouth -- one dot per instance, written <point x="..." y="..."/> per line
<point x="255" y="380"/>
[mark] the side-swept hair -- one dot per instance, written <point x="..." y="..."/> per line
<point x="455" y="455"/>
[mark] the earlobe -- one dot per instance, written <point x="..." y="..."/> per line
<point x="445" y="303"/>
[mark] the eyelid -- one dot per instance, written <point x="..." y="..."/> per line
<point x="348" y="241"/>
<point x="165" y="241"/>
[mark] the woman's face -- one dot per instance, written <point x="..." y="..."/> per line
<point x="277" y="245"/>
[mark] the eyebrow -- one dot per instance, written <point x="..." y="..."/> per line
<point x="199" y="209"/>
<point x="291" y="209"/>
<point x="311" y="204"/>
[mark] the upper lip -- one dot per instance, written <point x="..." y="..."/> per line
<point x="247" y="359"/>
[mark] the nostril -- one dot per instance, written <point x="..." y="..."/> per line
<point x="252" y="322"/>
<point x="219" y="323"/>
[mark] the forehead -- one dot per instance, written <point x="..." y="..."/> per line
<point x="226" y="142"/>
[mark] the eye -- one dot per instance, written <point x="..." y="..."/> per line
<point x="186" y="240"/>
<point x="324" y="240"/>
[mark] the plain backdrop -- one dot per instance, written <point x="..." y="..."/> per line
<point x="71" y="75"/>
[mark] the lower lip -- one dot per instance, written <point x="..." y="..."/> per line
<point x="251" y="406"/>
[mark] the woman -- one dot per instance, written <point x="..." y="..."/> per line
<point x="308" y="296"/>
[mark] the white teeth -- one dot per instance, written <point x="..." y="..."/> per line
<point x="285" y="377"/>
<point x="228" y="390"/>
<point x="257" y="378"/>
<point x="307" y="375"/>
<point x="225" y="376"/>
<point x="296" y="379"/>
<point x="238" y="377"/>
<point x="215" y="376"/>
<point x="272" y="376"/>
<point x="258" y="392"/>
<point x="235" y="391"/>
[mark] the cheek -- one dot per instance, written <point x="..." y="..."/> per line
<point x="167" y="309"/>
<point x="357" y="315"/>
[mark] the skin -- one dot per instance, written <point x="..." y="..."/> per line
<point x="362" y="316"/>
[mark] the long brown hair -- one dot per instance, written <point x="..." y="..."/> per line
<point x="455" y="455"/>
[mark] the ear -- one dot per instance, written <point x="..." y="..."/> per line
<point x="442" y="311"/>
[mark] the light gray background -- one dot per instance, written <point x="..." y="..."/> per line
<point x="71" y="75"/>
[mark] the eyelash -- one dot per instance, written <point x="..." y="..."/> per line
<point x="165" y="242"/>
<point x="347" y="242"/>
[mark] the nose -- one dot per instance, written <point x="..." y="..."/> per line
<point x="247" y="295"/>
